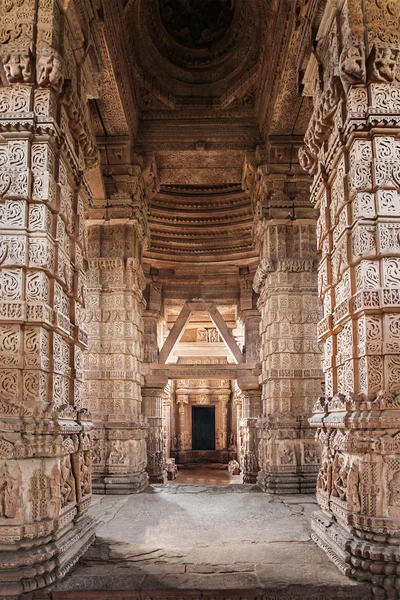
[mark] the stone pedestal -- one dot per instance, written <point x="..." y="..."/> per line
<point x="353" y="149"/>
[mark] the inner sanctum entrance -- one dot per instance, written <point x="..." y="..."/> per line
<point x="203" y="427"/>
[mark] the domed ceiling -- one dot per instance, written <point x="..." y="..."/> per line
<point x="197" y="63"/>
<point x="197" y="23"/>
<point x="197" y="51"/>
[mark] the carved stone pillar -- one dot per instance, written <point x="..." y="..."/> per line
<point x="167" y="420"/>
<point x="353" y="150"/>
<point x="291" y="366"/>
<point x="249" y="393"/>
<point x="150" y="325"/>
<point x="251" y="409"/>
<point x="252" y="339"/>
<point x="153" y="404"/>
<point x="184" y="438"/>
<point x="114" y="322"/>
<point x="45" y="459"/>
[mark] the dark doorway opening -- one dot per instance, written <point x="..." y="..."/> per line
<point x="203" y="427"/>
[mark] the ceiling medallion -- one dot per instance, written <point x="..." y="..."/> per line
<point x="197" y="23"/>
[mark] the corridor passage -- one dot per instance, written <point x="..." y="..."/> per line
<point x="199" y="541"/>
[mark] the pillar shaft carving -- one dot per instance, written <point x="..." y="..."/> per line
<point x="45" y="455"/>
<point x="291" y="366"/>
<point x="151" y="319"/>
<point x="113" y="363"/>
<point x="248" y="452"/>
<point x="153" y="408"/>
<point x="249" y="394"/>
<point x="352" y="147"/>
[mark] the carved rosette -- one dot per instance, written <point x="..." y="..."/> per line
<point x="356" y="156"/>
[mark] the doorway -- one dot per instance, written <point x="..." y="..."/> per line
<point x="203" y="427"/>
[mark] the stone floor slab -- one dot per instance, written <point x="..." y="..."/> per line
<point x="209" y="541"/>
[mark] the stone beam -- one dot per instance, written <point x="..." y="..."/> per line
<point x="175" y="334"/>
<point x="226" y="334"/>
<point x="246" y="373"/>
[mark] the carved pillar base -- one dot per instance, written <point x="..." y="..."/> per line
<point x="285" y="483"/>
<point x="121" y="484"/>
<point x="154" y="474"/>
<point x="27" y="570"/>
<point x="119" y="458"/>
<point x="358" y="488"/>
<point x="289" y="457"/>
<point x="373" y="560"/>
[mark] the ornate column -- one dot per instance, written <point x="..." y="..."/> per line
<point x="352" y="147"/>
<point x="153" y="404"/>
<point x="250" y="391"/>
<point x="151" y="319"/>
<point x="117" y="235"/>
<point x="251" y="409"/>
<point x="154" y="393"/>
<point x="184" y="437"/>
<point x="45" y="459"/>
<point x="291" y="366"/>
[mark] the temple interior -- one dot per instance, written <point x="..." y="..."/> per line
<point x="199" y="299"/>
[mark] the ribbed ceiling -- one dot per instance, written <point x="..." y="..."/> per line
<point x="201" y="224"/>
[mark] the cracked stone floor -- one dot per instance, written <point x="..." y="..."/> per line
<point x="204" y="541"/>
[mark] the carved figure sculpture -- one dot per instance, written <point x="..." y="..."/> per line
<point x="67" y="485"/>
<point x="394" y="490"/>
<point x="8" y="494"/>
<point x="18" y="67"/>
<point x="352" y="65"/>
<point x="49" y="69"/>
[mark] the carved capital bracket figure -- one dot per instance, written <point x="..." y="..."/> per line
<point x="286" y="281"/>
<point x="352" y="147"/>
<point x="118" y="234"/>
<point x="45" y="147"/>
